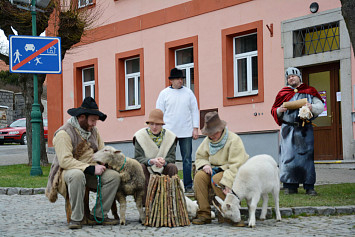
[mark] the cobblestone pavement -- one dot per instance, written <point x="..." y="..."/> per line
<point x="34" y="215"/>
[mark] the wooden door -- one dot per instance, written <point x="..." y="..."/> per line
<point x="327" y="132"/>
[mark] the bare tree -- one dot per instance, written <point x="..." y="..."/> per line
<point x="68" y="23"/>
<point x="348" y="12"/>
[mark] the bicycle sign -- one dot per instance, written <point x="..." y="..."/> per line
<point x="35" y="54"/>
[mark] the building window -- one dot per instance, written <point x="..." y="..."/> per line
<point x="130" y="98"/>
<point x="316" y="39"/>
<point x="88" y="82"/>
<point x="184" y="60"/>
<point x="245" y="65"/>
<point x="183" y="54"/>
<point x="84" y="3"/>
<point x="242" y="64"/>
<point x="132" y="83"/>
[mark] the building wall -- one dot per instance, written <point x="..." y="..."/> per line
<point x="14" y="106"/>
<point x="149" y="27"/>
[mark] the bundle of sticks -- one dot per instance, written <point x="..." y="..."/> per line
<point x="165" y="203"/>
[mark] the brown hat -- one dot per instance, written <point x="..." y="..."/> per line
<point x="156" y="116"/>
<point x="212" y="124"/>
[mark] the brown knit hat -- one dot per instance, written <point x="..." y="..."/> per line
<point x="212" y="124"/>
<point x="156" y="116"/>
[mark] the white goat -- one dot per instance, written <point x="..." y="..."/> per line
<point x="257" y="177"/>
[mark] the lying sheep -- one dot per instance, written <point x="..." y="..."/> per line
<point x="257" y="177"/>
<point x="132" y="178"/>
<point x="192" y="206"/>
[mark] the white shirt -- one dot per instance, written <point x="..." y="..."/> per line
<point x="180" y="110"/>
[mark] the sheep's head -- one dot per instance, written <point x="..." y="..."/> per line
<point x="109" y="155"/>
<point x="230" y="207"/>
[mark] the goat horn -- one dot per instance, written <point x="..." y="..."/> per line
<point x="218" y="209"/>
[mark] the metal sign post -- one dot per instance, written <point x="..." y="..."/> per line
<point x="36" y="112"/>
<point x="33" y="54"/>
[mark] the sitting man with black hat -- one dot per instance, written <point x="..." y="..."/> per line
<point x="218" y="159"/>
<point x="73" y="168"/>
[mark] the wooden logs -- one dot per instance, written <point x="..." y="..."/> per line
<point x="165" y="204"/>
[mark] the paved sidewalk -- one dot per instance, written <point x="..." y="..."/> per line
<point x="34" y="215"/>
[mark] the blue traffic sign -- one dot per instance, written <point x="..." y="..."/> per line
<point x="35" y="54"/>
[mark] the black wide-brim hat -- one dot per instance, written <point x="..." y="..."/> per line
<point x="88" y="107"/>
<point x="176" y="73"/>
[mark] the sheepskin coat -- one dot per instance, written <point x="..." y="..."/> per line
<point x="146" y="149"/>
<point x="72" y="152"/>
<point x="229" y="158"/>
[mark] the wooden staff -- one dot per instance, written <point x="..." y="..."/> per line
<point x="155" y="205"/>
<point x="179" y="201"/>
<point x="165" y="202"/>
<point x="161" y="204"/>
<point x="184" y="206"/>
<point x="174" y="204"/>
<point x="168" y="199"/>
<point x="149" y="198"/>
<point x="147" y="205"/>
<point x="171" y="203"/>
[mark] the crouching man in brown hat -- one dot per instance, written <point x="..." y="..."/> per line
<point x="154" y="148"/>
<point x="218" y="158"/>
<point x="73" y="168"/>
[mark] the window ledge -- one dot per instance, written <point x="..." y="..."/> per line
<point x="125" y="110"/>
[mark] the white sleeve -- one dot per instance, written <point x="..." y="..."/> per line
<point x="194" y="111"/>
<point x="317" y="106"/>
<point x="160" y="102"/>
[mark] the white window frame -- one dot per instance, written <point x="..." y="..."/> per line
<point x="88" y="2"/>
<point x="186" y="66"/>
<point x="88" y="83"/>
<point x="136" y="77"/>
<point x="248" y="56"/>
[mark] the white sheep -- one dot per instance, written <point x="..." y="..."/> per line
<point x="192" y="206"/>
<point x="257" y="177"/>
<point x="132" y="178"/>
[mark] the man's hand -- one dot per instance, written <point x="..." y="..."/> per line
<point x="309" y="105"/>
<point x="195" y="133"/>
<point x="207" y="169"/>
<point x="282" y="109"/>
<point x="99" y="169"/>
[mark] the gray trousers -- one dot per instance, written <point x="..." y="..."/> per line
<point x="76" y="181"/>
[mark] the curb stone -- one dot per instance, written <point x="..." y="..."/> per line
<point x="285" y="212"/>
<point x="21" y="191"/>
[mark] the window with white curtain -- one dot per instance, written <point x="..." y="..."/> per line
<point x="132" y="83"/>
<point x="245" y="65"/>
<point x="88" y="75"/>
<point x="184" y="60"/>
<point x="84" y="3"/>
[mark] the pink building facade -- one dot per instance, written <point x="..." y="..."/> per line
<point x="234" y="54"/>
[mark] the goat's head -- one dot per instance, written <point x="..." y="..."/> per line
<point x="108" y="155"/>
<point x="230" y="207"/>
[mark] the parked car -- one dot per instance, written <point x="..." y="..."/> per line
<point x="16" y="132"/>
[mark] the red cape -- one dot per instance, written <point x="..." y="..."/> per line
<point x="286" y="93"/>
